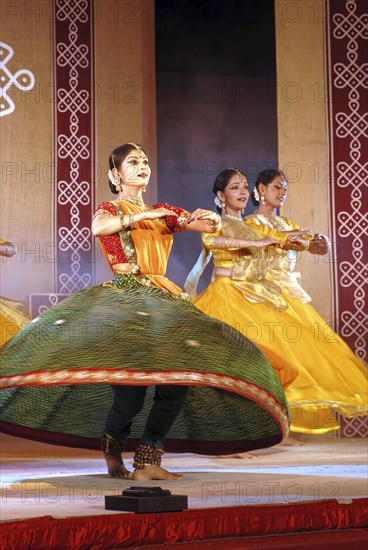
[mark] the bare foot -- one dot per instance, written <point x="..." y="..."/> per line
<point x="115" y="466"/>
<point x="239" y="455"/>
<point x="291" y="441"/>
<point x="153" y="472"/>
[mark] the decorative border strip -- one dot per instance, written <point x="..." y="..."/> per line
<point x="147" y="378"/>
<point x="73" y="150"/>
<point x="74" y="143"/>
<point x="346" y="73"/>
<point x="347" y="82"/>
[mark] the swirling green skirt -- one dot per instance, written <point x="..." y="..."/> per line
<point x="57" y="371"/>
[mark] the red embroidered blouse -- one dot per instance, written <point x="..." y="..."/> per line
<point x="111" y="243"/>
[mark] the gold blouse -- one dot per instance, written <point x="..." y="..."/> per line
<point x="249" y="265"/>
<point x="281" y="263"/>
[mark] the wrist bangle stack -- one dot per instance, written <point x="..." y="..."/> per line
<point x="122" y="222"/>
<point x="127" y="221"/>
<point x="131" y="221"/>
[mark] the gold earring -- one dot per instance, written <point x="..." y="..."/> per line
<point x="223" y="209"/>
<point x="263" y="199"/>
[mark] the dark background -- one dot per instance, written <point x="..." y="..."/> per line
<point x="216" y="103"/>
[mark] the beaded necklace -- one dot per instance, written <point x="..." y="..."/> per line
<point x="138" y="201"/>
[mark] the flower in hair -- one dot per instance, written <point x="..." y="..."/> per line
<point x="256" y="194"/>
<point x="114" y="181"/>
<point x="218" y="203"/>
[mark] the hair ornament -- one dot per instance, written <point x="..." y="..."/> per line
<point x="256" y="194"/>
<point x="235" y="170"/>
<point x="114" y="181"/>
<point x="218" y="203"/>
<point x="136" y="146"/>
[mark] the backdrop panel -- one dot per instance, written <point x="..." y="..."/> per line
<point x="26" y="147"/>
<point x="323" y="128"/>
<point x="80" y="80"/>
<point x="347" y="55"/>
<point x="302" y="138"/>
<point x="125" y="90"/>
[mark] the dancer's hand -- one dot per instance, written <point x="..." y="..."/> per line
<point x="297" y="243"/>
<point x="320" y="244"/>
<point x="156" y="213"/>
<point x="202" y="214"/>
<point x="265" y="241"/>
<point x="299" y="232"/>
<point x="295" y="239"/>
<point x="205" y="221"/>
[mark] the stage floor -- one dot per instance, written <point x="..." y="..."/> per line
<point x="46" y="480"/>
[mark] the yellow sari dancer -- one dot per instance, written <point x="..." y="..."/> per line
<point x="331" y="378"/>
<point x="240" y="257"/>
<point x="12" y="314"/>
<point x="243" y="295"/>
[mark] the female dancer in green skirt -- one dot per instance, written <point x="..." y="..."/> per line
<point x="86" y="365"/>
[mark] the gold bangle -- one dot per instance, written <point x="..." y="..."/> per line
<point x="131" y="221"/>
<point x="122" y="222"/>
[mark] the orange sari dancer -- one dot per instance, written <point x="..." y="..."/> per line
<point x="85" y="366"/>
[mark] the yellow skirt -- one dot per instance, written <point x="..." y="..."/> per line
<point x="12" y="318"/>
<point x="319" y="372"/>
